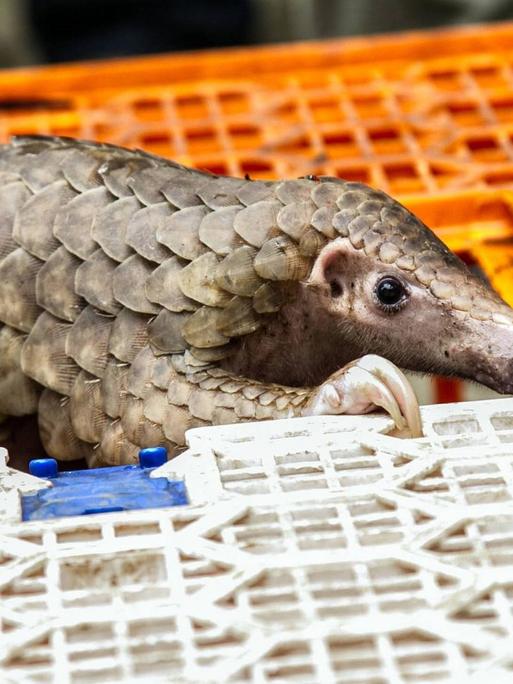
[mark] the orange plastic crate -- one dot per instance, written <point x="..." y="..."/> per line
<point x="427" y="117"/>
<point x="416" y="113"/>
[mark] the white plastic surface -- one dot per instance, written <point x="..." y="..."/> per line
<point x="330" y="556"/>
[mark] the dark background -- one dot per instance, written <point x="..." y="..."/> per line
<point x="44" y="31"/>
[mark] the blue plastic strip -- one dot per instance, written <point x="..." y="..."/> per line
<point x="100" y="490"/>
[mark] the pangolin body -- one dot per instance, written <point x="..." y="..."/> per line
<point x="140" y="298"/>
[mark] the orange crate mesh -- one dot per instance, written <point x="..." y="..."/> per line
<point x="427" y="117"/>
<point x="382" y="110"/>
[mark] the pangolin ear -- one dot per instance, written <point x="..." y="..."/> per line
<point x="331" y="266"/>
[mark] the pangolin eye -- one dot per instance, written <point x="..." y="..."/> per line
<point x="390" y="293"/>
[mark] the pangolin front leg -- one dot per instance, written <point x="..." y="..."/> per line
<point x="156" y="399"/>
<point x="139" y="298"/>
<point x="363" y="385"/>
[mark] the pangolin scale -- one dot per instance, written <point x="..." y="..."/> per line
<point x="140" y="298"/>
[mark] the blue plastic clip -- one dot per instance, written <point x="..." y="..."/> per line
<point x="43" y="467"/>
<point x="152" y="457"/>
<point x="102" y="490"/>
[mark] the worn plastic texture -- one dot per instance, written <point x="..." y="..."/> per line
<point x="96" y="490"/>
<point x="322" y="550"/>
<point x="102" y="490"/>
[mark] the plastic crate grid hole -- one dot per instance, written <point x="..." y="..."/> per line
<point x="335" y="524"/>
<point x="139" y="570"/>
<point x="151" y="645"/>
<point x="452" y="426"/>
<point x="463" y="459"/>
<point x="329" y="469"/>
<point x="284" y="464"/>
<point x="390" y="657"/>
<point x="468" y="481"/>
<point x="474" y="468"/>
<point x="338" y="590"/>
<point x="491" y="611"/>
<point x="484" y="544"/>
<point x="400" y="656"/>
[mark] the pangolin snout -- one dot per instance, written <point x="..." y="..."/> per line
<point x="488" y="357"/>
<point x="499" y="376"/>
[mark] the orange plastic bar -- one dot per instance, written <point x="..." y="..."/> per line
<point x="433" y="115"/>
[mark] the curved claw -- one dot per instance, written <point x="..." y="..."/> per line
<point x="364" y="384"/>
<point x="398" y="383"/>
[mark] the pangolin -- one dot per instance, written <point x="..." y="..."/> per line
<point x="140" y="298"/>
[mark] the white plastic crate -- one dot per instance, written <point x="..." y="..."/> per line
<point x="315" y="550"/>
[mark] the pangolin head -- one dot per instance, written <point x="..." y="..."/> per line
<point x="390" y="286"/>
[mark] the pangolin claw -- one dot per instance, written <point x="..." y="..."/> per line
<point x="365" y="384"/>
